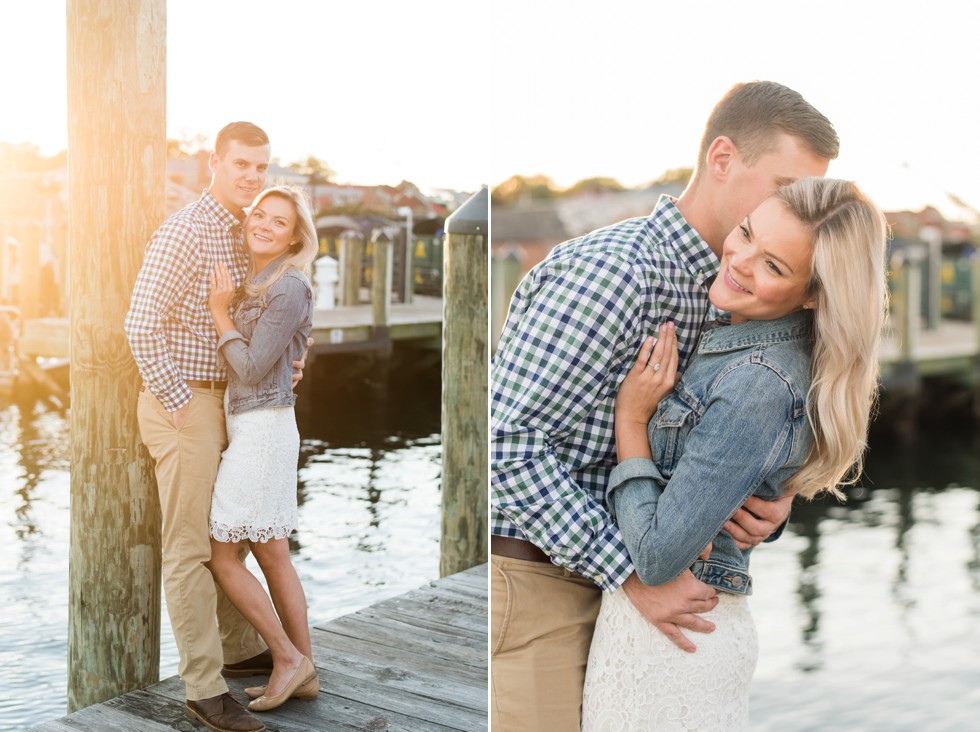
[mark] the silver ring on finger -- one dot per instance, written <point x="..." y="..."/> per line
<point x="656" y="366"/>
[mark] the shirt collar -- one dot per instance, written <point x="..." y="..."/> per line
<point x="219" y="213"/>
<point x="692" y="251"/>
<point x="793" y="327"/>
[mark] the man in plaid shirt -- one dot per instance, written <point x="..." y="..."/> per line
<point x="182" y="422"/>
<point x="573" y="330"/>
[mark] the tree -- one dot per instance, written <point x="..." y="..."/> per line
<point x="24" y="157"/>
<point x="316" y="170"/>
<point x="521" y="188"/>
<point x="594" y="185"/>
<point x="674" y="176"/>
<point x="186" y="145"/>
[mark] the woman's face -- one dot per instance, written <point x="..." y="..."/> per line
<point x="269" y="229"/>
<point x="765" y="266"/>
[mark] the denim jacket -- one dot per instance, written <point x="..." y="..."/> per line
<point x="270" y="333"/>
<point x="735" y="426"/>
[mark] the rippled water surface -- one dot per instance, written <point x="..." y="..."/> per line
<point x="868" y="613"/>
<point x="369" y="529"/>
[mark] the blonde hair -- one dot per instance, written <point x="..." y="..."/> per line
<point x="302" y="251"/>
<point x="850" y="300"/>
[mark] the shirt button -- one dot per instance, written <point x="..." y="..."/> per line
<point x="700" y="278"/>
<point x="736" y="581"/>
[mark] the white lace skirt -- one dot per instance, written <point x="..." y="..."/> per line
<point x="255" y="491"/>
<point x="638" y="680"/>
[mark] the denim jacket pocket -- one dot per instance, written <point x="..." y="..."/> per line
<point x="248" y="312"/>
<point x="673" y="420"/>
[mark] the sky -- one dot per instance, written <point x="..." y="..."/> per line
<point x="381" y="91"/>
<point x="459" y="93"/>
<point x="623" y="89"/>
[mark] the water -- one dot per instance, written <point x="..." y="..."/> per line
<point x="867" y="613"/>
<point x="368" y="513"/>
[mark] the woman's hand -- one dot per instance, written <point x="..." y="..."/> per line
<point x="222" y="289"/>
<point x="652" y="377"/>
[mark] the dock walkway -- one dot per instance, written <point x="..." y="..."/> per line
<point x="413" y="663"/>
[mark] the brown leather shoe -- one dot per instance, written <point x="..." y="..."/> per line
<point x="222" y="714"/>
<point x="254" y="666"/>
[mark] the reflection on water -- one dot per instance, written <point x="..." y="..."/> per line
<point x="867" y="612"/>
<point x="369" y="527"/>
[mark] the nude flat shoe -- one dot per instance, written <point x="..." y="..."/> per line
<point x="309" y="690"/>
<point x="303" y="675"/>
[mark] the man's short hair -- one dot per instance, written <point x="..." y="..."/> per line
<point x="243" y="132"/>
<point x="754" y="113"/>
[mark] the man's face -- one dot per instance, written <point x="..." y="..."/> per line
<point x="238" y="175"/>
<point x="751" y="185"/>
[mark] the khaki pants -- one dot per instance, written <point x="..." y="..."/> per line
<point x="186" y="466"/>
<point x="542" y="618"/>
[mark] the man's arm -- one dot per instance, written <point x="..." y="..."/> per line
<point x="168" y="270"/>
<point x="568" y="331"/>
<point x="298" y="366"/>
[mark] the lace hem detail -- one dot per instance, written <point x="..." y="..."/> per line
<point x="234" y="534"/>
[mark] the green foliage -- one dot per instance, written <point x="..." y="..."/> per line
<point x="594" y="185"/>
<point x="185" y="146"/>
<point x="522" y="188"/>
<point x="316" y="170"/>
<point x="674" y="176"/>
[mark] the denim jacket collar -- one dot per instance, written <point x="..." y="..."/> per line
<point x="269" y="269"/>
<point x="793" y="327"/>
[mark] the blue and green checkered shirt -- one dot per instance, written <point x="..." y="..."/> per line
<point x="573" y="331"/>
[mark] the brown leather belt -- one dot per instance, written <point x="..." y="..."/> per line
<point x="505" y="546"/>
<point x="207" y="384"/>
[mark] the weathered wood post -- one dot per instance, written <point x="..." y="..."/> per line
<point x="351" y="256"/>
<point x="29" y="235"/>
<point x="381" y="273"/>
<point x="464" y="387"/>
<point x="504" y="280"/>
<point x="116" y="169"/>
<point x="975" y="311"/>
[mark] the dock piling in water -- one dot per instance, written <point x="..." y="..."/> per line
<point x="464" y="387"/>
<point x="117" y="163"/>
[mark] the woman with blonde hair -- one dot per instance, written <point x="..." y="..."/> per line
<point x="777" y="397"/>
<point x="254" y="496"/>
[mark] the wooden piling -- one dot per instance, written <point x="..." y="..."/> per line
<point x="464" y="388"/>
<point x="975" y="312"/>
<point x="29" y="235"/>
<point x="504" y="280"/>
<point x="381" y="273"/>
<point x="351" y="256"/>
<point x="117" y="165"/>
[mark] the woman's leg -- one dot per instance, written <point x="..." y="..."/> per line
<point x="286" y="590"/>
<point x="247" y="594"/>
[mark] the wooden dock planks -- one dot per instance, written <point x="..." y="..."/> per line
<point x="412" y="663"/>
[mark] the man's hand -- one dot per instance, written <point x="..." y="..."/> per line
<point x="301" y="364"/>
<point x="180" y="415"/>
<point x="757" y="519"/>
<point x="672" y="606"/>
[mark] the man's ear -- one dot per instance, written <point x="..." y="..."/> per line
<point x="213" y="162"/>
<point x="721" y="155"/>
